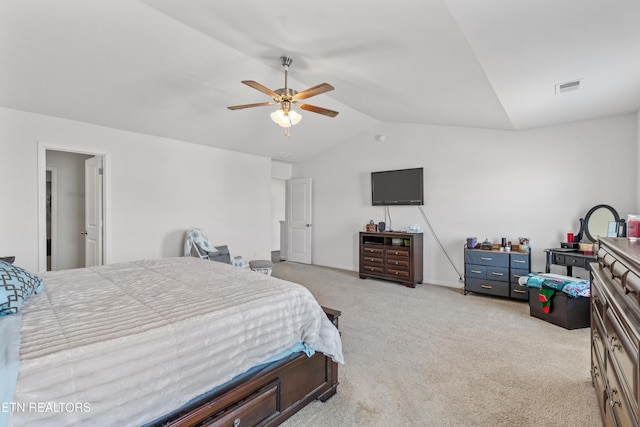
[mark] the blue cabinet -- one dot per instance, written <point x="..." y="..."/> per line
<point x="496" y="273"/>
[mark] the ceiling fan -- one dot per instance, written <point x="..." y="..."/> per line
<point x="288" y="98"/>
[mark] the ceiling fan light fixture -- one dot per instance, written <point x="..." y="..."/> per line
<point x="287" y="98"/>
<point x="286" y="119"/>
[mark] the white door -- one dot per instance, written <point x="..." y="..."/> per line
<point x="299" y="220"/>
<point x="93" y="211"/>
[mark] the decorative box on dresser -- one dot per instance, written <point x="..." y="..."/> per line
<point x="615" y="330"/>
<point x="391" y="256"/>
<point x="494" y="272"/>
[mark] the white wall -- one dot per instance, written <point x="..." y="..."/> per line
<point x="478" y="182"/>
<point x="69" y="246"/>
<point x="158" y="189"/>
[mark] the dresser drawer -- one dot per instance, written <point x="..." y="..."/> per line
<point x="475" y="271"/>
<point x="575" y="261"/>
<point x="397" y="272"/>
<point x="498" y="273"/>
<point x="598" y="300"/>
<point x="519" y="291"/>
<point x="372" y="269"/>
<point x="404" y="253"/>
<point x="491" y="287"/>
<point x="252" y="410"/>
<point x="373" y="250"/>
<point x="598" y="334"/>
<point x="624" y="353"/>
<point x="558" y="259"/>
<point x="372" y="259"/>
<point x="597" y="374"/>
<point x="398" y="262"/>
<point x="623" y="411"/>
<point x="487" y="258"/>
<point x="517" y="274"/>
<point x="520" y="262"/>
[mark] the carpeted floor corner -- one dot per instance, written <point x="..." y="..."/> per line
<point x="431" y="356"/>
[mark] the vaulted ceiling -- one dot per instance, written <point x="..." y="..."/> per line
<point x="170" y="68"/>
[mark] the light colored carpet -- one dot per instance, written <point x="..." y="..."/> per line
<point x="431" y="356"/>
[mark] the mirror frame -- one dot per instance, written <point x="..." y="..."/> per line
<point x="588" y="217"/>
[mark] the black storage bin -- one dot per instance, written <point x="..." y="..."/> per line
<point x="222" y="255"/>
<point x="565" y="311"/>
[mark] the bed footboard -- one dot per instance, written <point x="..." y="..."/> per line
<point x="267" y="398"/>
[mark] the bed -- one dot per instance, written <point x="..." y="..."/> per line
<point x="176" y="341"/>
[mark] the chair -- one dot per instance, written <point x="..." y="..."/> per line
<point x="197" y="244"/>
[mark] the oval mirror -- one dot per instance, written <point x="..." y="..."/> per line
<point x="596" y="222"/>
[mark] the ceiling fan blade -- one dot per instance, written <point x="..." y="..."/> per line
<point x="313" y="91"/>
<point x="262" y="89"/>
<point x="259" y="104"/>
<point x="319" y="110"/>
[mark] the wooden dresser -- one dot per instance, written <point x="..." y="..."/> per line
<point x="391" y="256"/>
<point x="615" y="330"/>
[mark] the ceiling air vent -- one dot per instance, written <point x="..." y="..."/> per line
<point x="568" y="86"/>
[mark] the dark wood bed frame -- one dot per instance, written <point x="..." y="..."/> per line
<point x="268" y="397"/>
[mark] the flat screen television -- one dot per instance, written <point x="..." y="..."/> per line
<point x="397" y="187"/>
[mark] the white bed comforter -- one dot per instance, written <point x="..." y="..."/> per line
<point x="126" y="343"/>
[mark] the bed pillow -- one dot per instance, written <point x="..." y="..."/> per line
<point x="16" y="286"/>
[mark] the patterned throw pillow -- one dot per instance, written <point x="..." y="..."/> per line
<point x="16" y="286"/>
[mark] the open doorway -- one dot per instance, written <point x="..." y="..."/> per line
<point x="72" y="207"/>
<point x="278" y="211"/>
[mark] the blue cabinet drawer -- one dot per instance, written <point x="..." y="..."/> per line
<point x="520" y="261"/>
<point x="519" y="291"/>
<point x="517" y="274"/>
<point x="491" y="287"/>
<point x="487" y="258"/>
<point x="475" y="271"/>
<point x="498" y="273"/>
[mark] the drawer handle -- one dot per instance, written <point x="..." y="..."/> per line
<point x="486" y="286"/>
<point x="497" y="274"/>
<point x="613" y="402"/>
<point x="236" y="422"/>
<point x="517" y="276"/>
<point x="519" y="260"/>
<point x="615" y="346"/>
<point x="519" y="291"/>
<point x="476" y="271"/>
<point x="396" y="273"/>
<point x="396" y="262"/>
<point x="486" y="259"/>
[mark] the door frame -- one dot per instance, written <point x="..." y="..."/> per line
<point x="54" y="217"/>
<point x="42" y="194"/>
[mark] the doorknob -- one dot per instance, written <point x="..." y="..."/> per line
<point x="84" y="233"/>
<point x="308" y="225"/>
